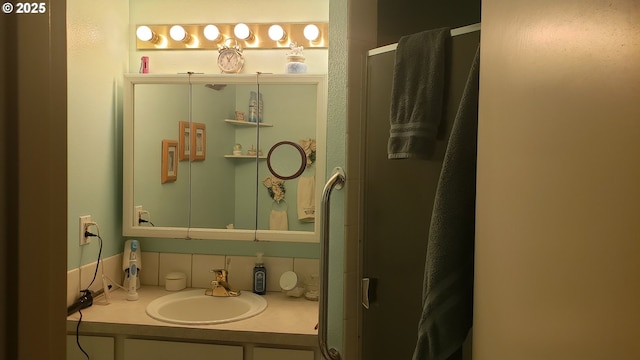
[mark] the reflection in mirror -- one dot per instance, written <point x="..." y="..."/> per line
<point x="158" y="109"/>
<point x="223" y="189"/>
<point x="219" y="192"/>
<point x="286" y="160"/>
<point x="292" y="111"/>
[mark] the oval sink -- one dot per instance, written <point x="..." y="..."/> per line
<point x="194" y="307"/>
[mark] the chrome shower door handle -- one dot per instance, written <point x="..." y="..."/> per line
<point x="337" y="180"/>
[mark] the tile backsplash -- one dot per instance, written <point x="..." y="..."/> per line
<point x="81" y="277"/>
<point x="197" y="267"/>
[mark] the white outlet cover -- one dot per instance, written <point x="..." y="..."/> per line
<point x="83" y="220"/>
<point x="136" y="215"/>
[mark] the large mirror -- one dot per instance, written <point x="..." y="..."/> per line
<point x="195" y="156"/>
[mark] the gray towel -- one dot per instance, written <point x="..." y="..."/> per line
<point x="417" y="94"/>
<point x="447" y="299"/>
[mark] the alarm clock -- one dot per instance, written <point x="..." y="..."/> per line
<point x="230" y="58"/>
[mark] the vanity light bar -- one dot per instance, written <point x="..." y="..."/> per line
<point x="259" y="39"/>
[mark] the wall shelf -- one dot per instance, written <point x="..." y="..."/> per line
<point x="246" y="123"/>
<point x="244" y="157"/>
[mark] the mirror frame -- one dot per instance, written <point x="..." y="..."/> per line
<point x="130" y="228"/>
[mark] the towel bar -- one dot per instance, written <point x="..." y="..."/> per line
<point x="336" y="181"/>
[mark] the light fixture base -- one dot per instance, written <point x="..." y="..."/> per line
<point x="259" y="40"/>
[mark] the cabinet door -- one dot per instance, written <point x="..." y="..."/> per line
<point x="135" y="349"/>
<point x="281" y="354"/>
<point x="157" y="110"/>
<point x="293" y="111"/>
<point x="98" y="348"/>
<point x="223" y="190"/>
<point x="216" y="188"/>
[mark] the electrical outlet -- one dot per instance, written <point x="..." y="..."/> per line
<point x="84" y="225"/>
<point x="137" y="213"/>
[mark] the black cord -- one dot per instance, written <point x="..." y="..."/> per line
<point x="142" y="221"/>
<point x="95" y="273"/>
<point x="78" y="336"/>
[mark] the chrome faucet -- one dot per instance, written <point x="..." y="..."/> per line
<point x="220" y="285"/>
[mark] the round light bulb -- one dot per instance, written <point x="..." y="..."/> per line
<point x="177" y="33"/>
<point x="211" y="32"/>
<point x="242" y="31"/>
<point x="144" y="33"/>
<point x="311" y="32"/>
<point x="276" y="33"/>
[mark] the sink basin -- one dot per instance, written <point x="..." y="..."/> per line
<point x="193" y="307"/>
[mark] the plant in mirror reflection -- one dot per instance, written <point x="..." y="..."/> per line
<point x="309" y="147"/>
<point x="275" y="187"/>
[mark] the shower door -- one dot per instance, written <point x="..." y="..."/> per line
<point x="397" y="205"/>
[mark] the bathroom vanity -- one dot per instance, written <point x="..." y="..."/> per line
<point x="121" y="330"/>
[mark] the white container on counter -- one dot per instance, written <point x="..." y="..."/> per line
<point x="175" y="281"/>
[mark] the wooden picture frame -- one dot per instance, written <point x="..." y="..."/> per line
<point x="198" y="141"/>
<point x="169" y="166"/>
<point x="185" y="141"/>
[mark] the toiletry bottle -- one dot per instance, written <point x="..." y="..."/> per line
<point x="259" y="276"/>
<point x="253" y="107"/>
<point x="132" y="294"/>
<point x="144" y="65"/>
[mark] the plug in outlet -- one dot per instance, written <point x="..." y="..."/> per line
<point x="84" y="226"/>
<point x="137" y="214"/>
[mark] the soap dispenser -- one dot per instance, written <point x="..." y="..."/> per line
<point x="259" y="276"/>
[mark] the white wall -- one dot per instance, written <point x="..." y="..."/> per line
<point x="558" y="207"/>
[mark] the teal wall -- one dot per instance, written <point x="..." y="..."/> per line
<point x="96" y="60"/>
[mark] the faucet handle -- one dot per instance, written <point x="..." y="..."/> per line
<point x="221" y="274"/>
<point x="220" y="285"/>
<point x="217" y="289"/>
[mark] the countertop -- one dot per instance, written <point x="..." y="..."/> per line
<point x="286" y="321"/>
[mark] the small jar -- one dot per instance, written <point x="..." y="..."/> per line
<point x="237" y="150"/>
<point x="175" y="281"/>
<point x="290" y="285"/>
<point x="295" y="64"/>
<point x="313" y="288"/>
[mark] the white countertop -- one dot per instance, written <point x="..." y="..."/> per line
<point x="286" y="320"/>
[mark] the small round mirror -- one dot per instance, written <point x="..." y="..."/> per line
<point x="286" y="160"/>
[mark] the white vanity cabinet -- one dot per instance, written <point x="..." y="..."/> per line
<point x="98" y="347"/>
<point x="282" y="354"/>
<point x="122" y="330"/>
<point x="136" y="349"/>
<point x="103" y="348"/>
